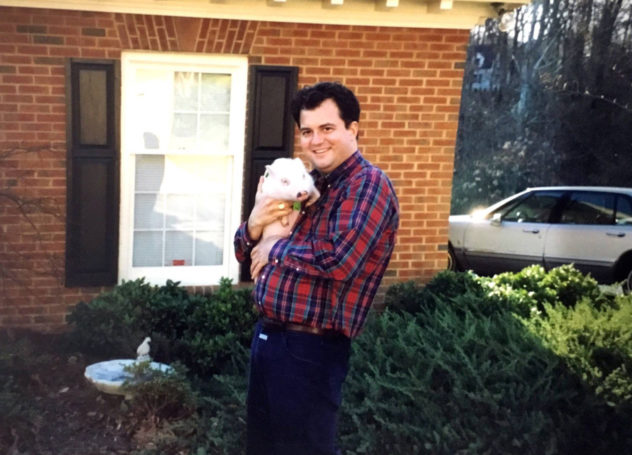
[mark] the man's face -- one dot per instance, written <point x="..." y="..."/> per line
<point x="325" y="140"/>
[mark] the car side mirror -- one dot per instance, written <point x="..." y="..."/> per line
<point x="496" y="219"/>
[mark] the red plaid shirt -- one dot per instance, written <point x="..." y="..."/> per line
<point x="327" y="272"/>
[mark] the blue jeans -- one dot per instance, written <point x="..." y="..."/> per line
<point x="294" y="392"/>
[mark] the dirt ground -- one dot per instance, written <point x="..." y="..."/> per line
<point x="51" y="409"/>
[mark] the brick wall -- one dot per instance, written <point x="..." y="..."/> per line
<point x="408" y="82"/>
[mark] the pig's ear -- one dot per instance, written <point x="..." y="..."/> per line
<point x="300" y="162"/>
<point x="268" y="171"/>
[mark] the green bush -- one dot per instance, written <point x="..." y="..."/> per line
<point x="114" y="323"/>
<point x="595" y="343"/>
<point x="529" y="290"/>
<point x="157" y="394"/>
<point x="218" y="329"/>
<point x="441" y="383"/>
<point x="446" y="285"/>
<point x="203" y="332"/>
<point x="532" y="362"/>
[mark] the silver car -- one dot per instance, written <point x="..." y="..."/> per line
<point x="590" y="227"/>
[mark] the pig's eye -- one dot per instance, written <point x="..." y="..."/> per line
<point x="304" y="176"/>
<point x="285" y="182"/>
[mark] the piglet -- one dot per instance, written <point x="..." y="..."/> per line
<point x="287" y="179"/>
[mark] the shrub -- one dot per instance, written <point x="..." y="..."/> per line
<point x="531" y="289"/>
<point x="444" y="383"/>
<point x="203" y="332"/>
<point x="534" y="363"/>
<point x="405" y="296"/>
<point x="446" y="285"/>
<point x="480" y="369"/>
<point x="157" y="394"/>
<point x="596" y="344"/>
<point x="217" y="330"/>
<point x="114" y="323"/>
<point x="571" y="286"/>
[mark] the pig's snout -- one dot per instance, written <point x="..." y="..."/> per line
<point x="301" y="194"/>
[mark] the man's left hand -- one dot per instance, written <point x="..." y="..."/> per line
<point x="260" y="254"/>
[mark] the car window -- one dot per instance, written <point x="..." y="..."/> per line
<point x="624" y="210"/>
<point x="589" y="208"/>
<point x="536" y="208"/>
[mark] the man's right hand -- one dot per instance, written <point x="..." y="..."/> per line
<point x="266" y="211"/>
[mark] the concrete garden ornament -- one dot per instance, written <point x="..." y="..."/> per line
<point x="142" y="351"/>
<point x="109" y="376"/>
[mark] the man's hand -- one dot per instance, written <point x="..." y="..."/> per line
<point x="266" y="211"/>
<point x="260" y="254"/>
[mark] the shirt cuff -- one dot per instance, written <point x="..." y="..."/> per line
<point x="246" y="236"/>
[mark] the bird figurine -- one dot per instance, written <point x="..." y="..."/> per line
<point x="142" y="351"/>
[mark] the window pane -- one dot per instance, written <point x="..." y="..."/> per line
<point x="214" y="133"/>
<point x="215" y="92"/>
<point x="185" y="91"/>
<point x="179" y="248"/>
<point x="624" y="210"/>
<point x="210" y="212"/>
<point x="184" y="132"/>
<point x="589" y="208"/>
<point x="180" y="211"/>
<point x="148" y="211"/>
<point x="147" y="249"/>
<point x="535" y="209"/>
<point x="208" y="248"/>
<point x="150" y="171"/>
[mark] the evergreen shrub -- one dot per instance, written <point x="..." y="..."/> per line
<point x="114" y="323"/>
<point x="448" y="382"/>
<point x="531" y="362"/>
<point x="202" y="331"/>
<point x="596" y="345"/>
<point x="529" y="290"/>
<point x="411" y="297"/>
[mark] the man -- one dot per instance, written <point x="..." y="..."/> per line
<point x="314" y="288"/>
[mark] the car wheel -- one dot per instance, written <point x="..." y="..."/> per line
<point x="453" y="264"/>
<point x="627" y="282"/>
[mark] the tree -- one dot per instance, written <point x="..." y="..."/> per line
<point x="23" y="212"/>
<point x="558" y="104"/>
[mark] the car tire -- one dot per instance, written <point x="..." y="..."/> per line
<point x="627" y="281"/>
<point x="453" y="264"/>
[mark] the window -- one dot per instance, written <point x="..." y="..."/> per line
<point x="536" y="208"/>
<point x="624" y="210"/>
<point x="183" y="120"/>
<point x="589" y="208"/>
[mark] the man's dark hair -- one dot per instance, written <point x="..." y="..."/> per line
<point x="310" y="97"/>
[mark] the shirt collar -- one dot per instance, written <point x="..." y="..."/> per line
<point x="342" y="171"/>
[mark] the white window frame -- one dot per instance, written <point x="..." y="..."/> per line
<point x="237" y="66"/>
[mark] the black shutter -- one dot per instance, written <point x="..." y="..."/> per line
<point x="270" y="126"/>
<point x="92" y="94"/>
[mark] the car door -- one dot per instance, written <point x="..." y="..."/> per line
<point x="513" y="236"/>
<point x="594" y="229"/>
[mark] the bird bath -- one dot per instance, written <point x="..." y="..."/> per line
<point x="109" y="376"/>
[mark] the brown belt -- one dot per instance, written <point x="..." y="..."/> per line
<point x="278" y="326"/>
